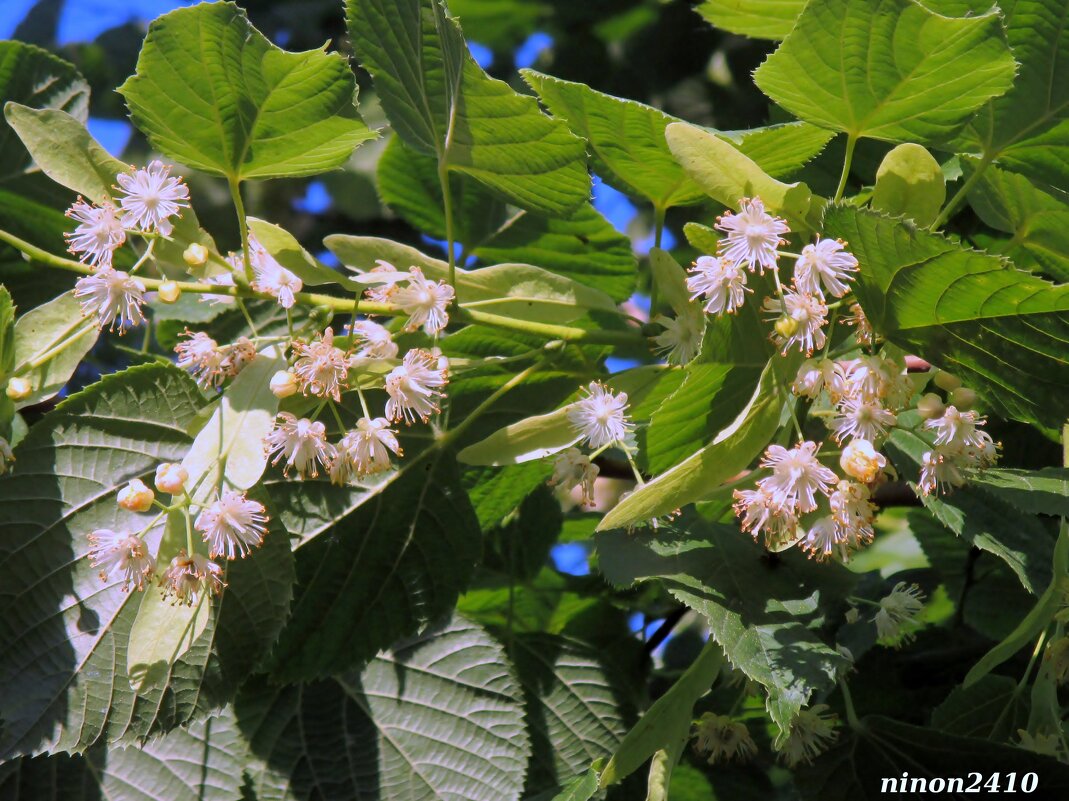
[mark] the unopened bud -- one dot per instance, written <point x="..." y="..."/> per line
<point x="946" y="381"/>
<point x="963" y="398"/>
<point x="169" y="292"/>
<point x="136" y="497"/>
<point x="196" y="255"/>
<point x="171" y="478"/>
<point x="283" y="384"/>
<point x="19" y="388"/>
<point x="931" y="406"/>
<point x="862" y="461"/>
<point x="786" y="327"/>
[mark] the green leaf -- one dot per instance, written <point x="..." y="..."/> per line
<point x="730" y="451"/>
<point x="1001" y="330"/>
<point x="781" y="150"/>
<point x="441" y="103"/>
<point x="204" y="761"/>
<point x="288" y="252"/>
<point x="1035" y="492"/>
<point x="761" y="19"/>
<point x="7" y="334"/>
<point x="897" y="71"/>
<point x="35" y="78"/>
<point x="625" y="140"/>
<point x="581" y="788"/>
<point x="520" y="291"/>
<point x="856" y="768"/>
<point x="1038" y="221"/>
<point x="65" y="151"/>
<point x="1026" y="129"/>
<point x="980" y="518"/>
<point x="212" y="92"/>
<point x="409" y="184"/>
<point x="231" y="444"/>
<point x="50" y="342"/>
<point x="438" y="716"/>
<point x="726" y="174"/>
<point x="584" y="247"/>
<point x="992" y="709"/>
<point x="762" y="615"/>
<point x="710" y="397"/>
<point x="667" y="722"/>
<point x="397" y="562"/>
<point x="909" y="182"/>
<point x="575" y="708"/>
<point x="496" y="492"/>
<point x="64" y="634"/>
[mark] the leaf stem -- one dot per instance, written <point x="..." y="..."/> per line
<point x="961" y="194"/>
<point x="243" y="226"/>
<point x="848" y="703"/>
<point x="454" y="433"/>
<point x="248" y="318"/>
<point x="626" y="337"/>
<point x="851" y="143"/>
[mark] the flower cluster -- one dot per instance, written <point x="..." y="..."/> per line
<point x="209" y="363"/>
<point x="600" y="421"/>
<point x="751" y="244"/>
<point x="959" y="443"/>
<point x="424" y="301"/>
<point x="147" y="200"/>
<point x="230" y="526"/>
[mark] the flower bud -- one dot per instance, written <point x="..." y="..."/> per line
<point x="169" y="292"/>
<point x="19" y="388"/>
<point x="196" y="255"/>
<point x="861" y="461"/>
<point x="171" y="478"/>
<point x="963" y="398"/>
<point x="786" y="327"/>
<point x="931" y="406"/>
<point x="136" y="497"/>
<point x="283" y="384"/>
<point x="946" y="381"/>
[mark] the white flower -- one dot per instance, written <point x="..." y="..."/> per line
<point x="816" y="375"/>
<point x="760" y="512"/>
<point x="723" y="739"/>
<point x="425" y="302"/>
<point x="118" y="554"/>
<point x="365" y="450"/>
<point x="98" y="234"/>
<point x="806" y="315"/>
<point x="601" y="416"/>
<point x="152" y="198"/>
<point x="321" y="368"/>
<point x="862" y="461"/>
<point x="113" y="296"/>
<point x="188" y="577"/>
<point x="414" y="386"/>
<point x="223" y="279"/>
<point x="822" y="539"/>
<point x="721" y="280"/>
<point x="373" y="341"/>
<point x="201" y="357"/>
<point x="302" y="443"/>
<point x="824" y="263"/>
<point x="753" y="235"/>
<point x="681" y="339"/>
<point x="900" y="607"/>
<point x="939" y="472"/>
<point x="854" y="513"/>
<point x="573" y="469"/>
<point x="957" y="430"/>
<point x="858" y="418"/>
<point x="797" y="476"/>
<point x="812" y="731"/>
<point x="233" y="525"/>
<point x="271" y="277"/>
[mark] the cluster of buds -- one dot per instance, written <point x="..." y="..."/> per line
<point x="148" y="199"/>
<point x="230" y="527"/>
<point x="600" y="420"/>
<point x="414" y="389"/>
<point x="751" y="243"/>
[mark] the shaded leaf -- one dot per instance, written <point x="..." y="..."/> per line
<point x="49" y="343"/>
<point x="909" y="182"/>
<point x="992" y="709"/>
<point x="760" y="19"/>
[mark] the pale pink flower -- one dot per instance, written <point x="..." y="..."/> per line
<point x="113" y="296"/>
<point x="272" y="278"/>
<point x="958" y="430"/>
<point x="373" y="341"/>
<point x="152" y="197"/>
<point x="365" y="450"/>
<point x="425" y="302"/>
<point x="187" y="578"/>
<point x="119" y="554"/>
<point x="321" y="369"/>
<point x="199" y="354"/>
<point x="858" y="418"/>
<point x="414" y="387"/>
<point x="797" y="476"/>
<point x="753" y="235"/>
<point x="232" y="525"/>
<point x="824" y="263"/>
<point x="601" y="416"/>
<point x="807" y="315"/>
<point x="761" y="513"/>
<point x="720" y="280"/>
<point x="573" y="469"/>
<point x="302" y="443"/>
<point x="98" y="234"/>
